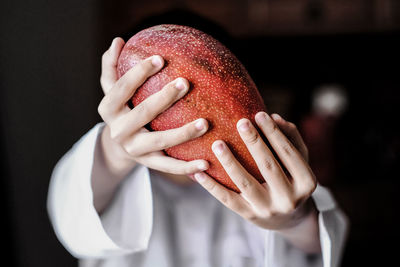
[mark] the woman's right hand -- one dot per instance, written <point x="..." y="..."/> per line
<point x="125" y="141"/>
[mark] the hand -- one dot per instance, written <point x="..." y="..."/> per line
<point x="279" y="203"/>
<point x="125" y="141"/>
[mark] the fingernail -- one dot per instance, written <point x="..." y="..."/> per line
<point x="277" y="117"/>
<point x="180" y="84"/>
<point x="200" y="177"/>
<point x="261" y="116"/>
<point x="244" y="126"/>
<point x="199" y="124"/>
<point x="218" y="148"/>
<point x="157" y="61"/>
<point x="202" y="166"/>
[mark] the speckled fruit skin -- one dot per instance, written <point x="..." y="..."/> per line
<point x="221" y="91"/>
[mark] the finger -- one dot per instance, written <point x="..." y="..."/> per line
<point x="148" y="142"/>
<point x="150" y="108"/>
<point x="123" y="90"/>
<point x="291" y="131"/>
<point x="262" y="155"/>
<point x="227" y="197"/>
<point x="287" y="153"/>
<point x="247" y="184"/>
<point x="109" y="75"/>
<point x="161" y="162"/>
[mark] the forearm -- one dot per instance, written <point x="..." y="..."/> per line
<point x="305" y="234"/>
<point x="110" y="167"/>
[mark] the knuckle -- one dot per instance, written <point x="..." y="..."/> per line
<point x="160" y="143"/>
<point x="271" y="127"/>
<point x="267" y="164"/>
<point x="144" y="67"/>
<point x="103" y="108"/>
<point x="313" y="184"/>
<point x="186" y="134"/>
<point x="238" y="208"/>
<point x="143" y="110"/>
<point x="263" y="212"/>
<point x="308" y="187"/>
<point x="100" y="110"/>
<point x="287" y="206"/>
<point x="189" y="169"/>
<point x="227" y="161"/>
<point x="130" y="150"/>
<point x="185" y="169"/>
<point x="211" y="187"/>
<point x="225" y="199"/>
<point x="105" y="56"/>
<point x="267" y="212"/>
<point x="132" y="155"/>
<point x="102" y="81"/>
<point x="123" y="84"/>
<point x="287" y="148"/>
<point x="245" y="184"/>
<point x="252" y="138"/>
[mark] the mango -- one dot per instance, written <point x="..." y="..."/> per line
<point x="221" y="91"/>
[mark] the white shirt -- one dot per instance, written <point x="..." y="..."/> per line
<point x="154" y="222"/>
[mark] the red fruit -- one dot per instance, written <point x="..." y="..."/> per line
<point x="221" y="91"/>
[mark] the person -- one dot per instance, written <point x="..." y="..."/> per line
<point x="116" y="199"/>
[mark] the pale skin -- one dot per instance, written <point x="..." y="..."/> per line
<point x="282" y="203"/>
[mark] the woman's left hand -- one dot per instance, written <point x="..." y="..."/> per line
<point x="282" y="201"/>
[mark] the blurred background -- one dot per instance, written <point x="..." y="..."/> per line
<point x="330" y="66"/>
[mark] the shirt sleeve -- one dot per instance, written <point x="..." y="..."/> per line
<point x="333" y="228"/>
<point x="75" y="220"/>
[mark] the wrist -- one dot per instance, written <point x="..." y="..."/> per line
<point x="300" y="215"/>
<point x="115" y="159"/>
<point x="303" y="231"/>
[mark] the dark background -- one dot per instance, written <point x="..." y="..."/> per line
<point x="49" y="81"/>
